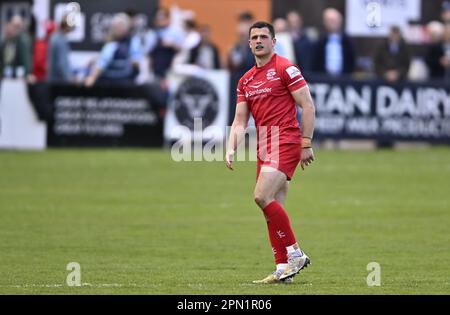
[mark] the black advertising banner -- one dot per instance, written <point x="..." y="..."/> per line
<point x="345" y="109"/>
<point x="105" y="116"/>
<point x="348" y="109"/>
<point x="95" y="18"/>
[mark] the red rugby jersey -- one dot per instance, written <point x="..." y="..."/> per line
<point x="267" y="91"/>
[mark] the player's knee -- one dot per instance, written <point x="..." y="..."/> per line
<point x="260" y="200"/>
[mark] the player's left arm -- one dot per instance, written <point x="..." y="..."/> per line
<point x="302" y="96"/>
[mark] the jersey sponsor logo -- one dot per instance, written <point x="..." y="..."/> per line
<point x="271" y="73"/>
<point x="258" y="92"/>
<point x="293" y="72"/>
<point x="196" y="98"/>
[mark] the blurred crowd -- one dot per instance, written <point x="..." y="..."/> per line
<point x="127" y="53"/>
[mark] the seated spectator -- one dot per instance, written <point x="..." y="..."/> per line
<point x="393" y="58"/>
<point x="303" y="46"/>
<point x="119" y="59"/>
<point x="59" y="69"/>
<point x="15" y="50"/>
<point x="438" y="57"/>
<point x="205" y="54"/>
<point x="163" y="43"/>
<point x="334" y="53"/>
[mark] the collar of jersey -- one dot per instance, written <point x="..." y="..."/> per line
<point x="267" y="64"/>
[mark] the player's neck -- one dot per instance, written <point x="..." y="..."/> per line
<point x="263" y="60"/>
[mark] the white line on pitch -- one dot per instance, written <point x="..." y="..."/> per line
<point x="99" y="285"/>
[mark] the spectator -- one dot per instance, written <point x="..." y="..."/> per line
<point x="283" y="46"/>
<point x="334" y="53"/>
<point x="40" y="52"/>
<point x="392" y="59"/>
<point x="192" y="39"/>
<point x="438" y="57"/>
<point x="303" y="46"/>
<point x="240" y="58"/>
<point x="193" y="36"/>
<point x="59" y="69"/>
<point x="15" y="50"/>
<point x="119" y="59"/>
<point x="163" y="43"/>
<point x="138" y="30"/>
<point x="205" y="54"/>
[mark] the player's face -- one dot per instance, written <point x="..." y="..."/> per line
<point x="261" y="42"/>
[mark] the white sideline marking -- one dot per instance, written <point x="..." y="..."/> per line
<point x="98" y="285"/>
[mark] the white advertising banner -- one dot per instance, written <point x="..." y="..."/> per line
<point x="198" y="106"/>
<point x="19" y="124"/>
<point x="374" y="18"/>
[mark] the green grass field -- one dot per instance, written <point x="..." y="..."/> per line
<point x="139" y="223"/>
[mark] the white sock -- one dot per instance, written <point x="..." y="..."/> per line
<point x="281" y="267"/>
<point x="291" y="250"/>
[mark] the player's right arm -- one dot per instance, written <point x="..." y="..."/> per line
<point x="237" y="131"/>
<point x="302" y="96"/>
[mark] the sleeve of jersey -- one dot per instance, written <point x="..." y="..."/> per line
<point x="240" y="93"/>
<point x="293" y="78"/>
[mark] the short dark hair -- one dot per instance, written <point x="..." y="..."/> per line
<point x="262" y="24"/>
